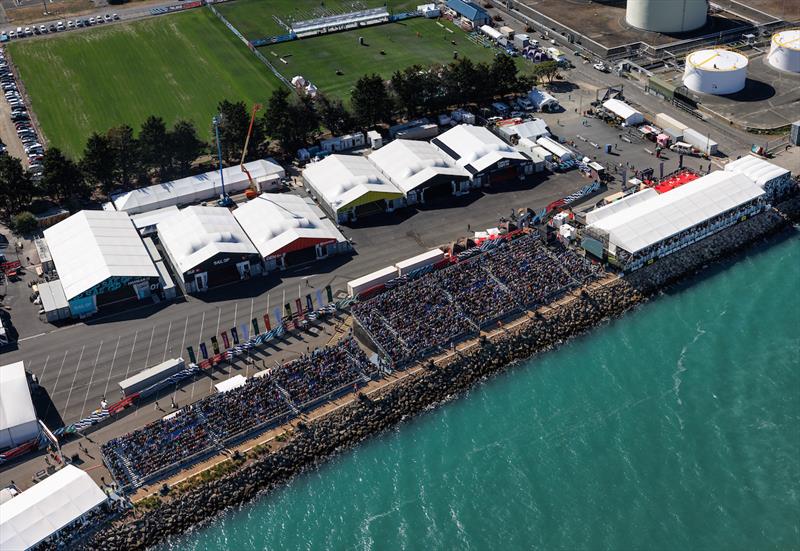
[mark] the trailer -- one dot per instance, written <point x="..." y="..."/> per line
<point x="151" y="376"/>
<point x="419" y="261"/>
<point x="701" y="141"/>
<point x="364" y="283"/>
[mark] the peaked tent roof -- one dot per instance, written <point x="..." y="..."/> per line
<point x="760" y="171"/>
<point x="17" y="415"/>
<point x="278" y="222"/>
<point x="47" y="507"/>
<point x="196" y="234"/>
<point x="93" y="245"/>
<point x="410" y="163"/>
<point x="475" y="148"/>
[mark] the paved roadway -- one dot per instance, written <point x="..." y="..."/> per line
<point x="81" y="363"/>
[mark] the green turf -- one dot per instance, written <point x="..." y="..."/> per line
<point x="317" y="59"/>
<point x="254" y="18"/>
<point x="176" y="66"/>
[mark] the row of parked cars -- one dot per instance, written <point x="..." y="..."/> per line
<point x="70" y="24"/>
<point x="21" y="118"/>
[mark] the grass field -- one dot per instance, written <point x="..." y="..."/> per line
<point x="254" y="18"/>
<point x="318" y="58"/>
<point x="176" y="66"/>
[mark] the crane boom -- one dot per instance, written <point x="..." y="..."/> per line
<point x="256" y="108"/>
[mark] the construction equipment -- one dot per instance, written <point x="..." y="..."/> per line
<point x="224" y="198"/>
<point x="256" y="109"/>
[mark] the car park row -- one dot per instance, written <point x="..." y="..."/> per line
<point x="69" y="25"/>
<point x="34" y="149"/>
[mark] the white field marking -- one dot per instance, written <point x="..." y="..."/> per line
<point x="77" y="368"/>
<point x="110" y="369"/>
<point x="91" y="378"/>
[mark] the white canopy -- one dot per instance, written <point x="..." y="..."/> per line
<point x="47" y="507"/>
<point x="234" y="382"/>
<point x="475" y="148"/>
<point x="340" y="180"/>
<point x="153" y="217"/>
<point x="17" y="416"/>
<point x="649" y="222"/>
<point x="197" y="234"/>
<point x="279" y="222"/>
<point x="94" y="245"/>
<point x="594" y="216"/>
<point x="195" y="189"/>
<point x="531" y="129"/>
<point x="409" y="164"/>
<point x="561" y="152"/>
<point x="624" y="111"/>
<point x="760" y="171"/>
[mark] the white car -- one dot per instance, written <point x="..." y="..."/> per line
<point x="601" y="67"/>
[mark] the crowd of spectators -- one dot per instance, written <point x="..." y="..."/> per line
<point x="411" y="320"/>
<point x="325" y="370"/>
<point x="203" y="425"/>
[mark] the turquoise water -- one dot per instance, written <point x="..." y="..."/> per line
<point x="677" y="427"/>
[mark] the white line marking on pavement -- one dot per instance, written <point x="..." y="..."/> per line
<point x="77" y="368"/>
<point x="47" y="359"/>
<point x="110" y="369"/>
<point x="149" y="346"/>
<point x="183" y="340"/>
<point x="59" y="371"/>
<point x="200" y="335"/>
<point x="133" y="347"/>
<point x="32" y="337"/>
<point x="166" y="344"/>
<point x="219" y="317"/>
<point x="251" y="311"/>
<point x="91" y="378"/>
<point x="235" y="312"/>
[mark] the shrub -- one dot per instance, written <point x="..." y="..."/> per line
<point x="24" y="223"/>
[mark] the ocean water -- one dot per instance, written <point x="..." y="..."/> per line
<point x="676" y="427"/>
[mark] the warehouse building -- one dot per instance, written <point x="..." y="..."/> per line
<point x="18" y="423"/>
<point x="206" y="248"/>
<point x="100" y="260"/>
<point x="487" y="158"/>
<point x="469" y="12"/>
<point x="266" y="175"/>
<point x="773" y="179"/>
<point x="349" y="187"/>
<point x="62" y="500"/>
<point x="649" y="226"/>
<point x="420" y="170"/>
<point x="289" y="230"/>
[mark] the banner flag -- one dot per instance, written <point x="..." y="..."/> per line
<point x="215" y="344"/>
<point x="287" y="307"/>
<point x="278" y="317"/>
<point x="255" y="327"/>
<point x="245" y="333"/>
<point x="235" y="335"/>
<point x="299" y="304"/>
<point x="309" y="303"/>
<point x="225" y="340"/>
<point x="330" y="293"/>
<point x="267" y="326"/>
<point x="204" y="350"/>
<point x="190" y="351"/>
<point x="319" y="298"/>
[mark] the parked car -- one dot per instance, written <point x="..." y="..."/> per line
<point x="116" y="17"/>
<point x="52" y="28"/>
<point x="107" y="17"/>
<point x="42" y="28"/>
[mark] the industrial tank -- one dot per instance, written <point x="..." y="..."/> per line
<point x="667" y="16"/>
<point x="715" y="71"/>
<point x="784" y="53"/>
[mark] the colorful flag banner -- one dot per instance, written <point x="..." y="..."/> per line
<point x="215" y="345"/>
<point x="309" y="303"/>
<point x="235" y="335"/>
<point x="267" y="326"/>
<point x="255" y="327"/>
<point x="225" y="341"/>
<point x="192" y="357"/>
<point x="203" y="350"/>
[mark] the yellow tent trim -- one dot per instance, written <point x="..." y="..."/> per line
<point x="369" y="197"/>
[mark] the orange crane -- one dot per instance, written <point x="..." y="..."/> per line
<point x="252" y="191"/>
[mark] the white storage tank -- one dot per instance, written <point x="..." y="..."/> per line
<point x="784" y="53"/>
<point x="666" y="16"/>
<point x="715" y="71"/>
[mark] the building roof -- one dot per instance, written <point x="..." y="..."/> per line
<point x="475" y="147"/>
<point x="594" y="216"/>
<point x="651" y="221"/>
<point x="47" y="507"/>
<point x="343" y="181"/>
<point x="410" y="164"/>
<point x="153" y="217"/>
<point x="17" y="414"/>
<point x="197" y="234"/>
<point x="468" y="10"/>
<point x="194" y="189"/>
<point x="278" y="223"/>
<point x="760" y="171"/>
<point x="623" y="111"/>
<point x="94" y="245"/>
<point x="529" y="129"/>
<point x="52" y="295"/>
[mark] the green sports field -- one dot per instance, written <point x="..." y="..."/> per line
<point x="257" y="18"/>
<point x="175" y="66"/>
<point x="317" y="59"/>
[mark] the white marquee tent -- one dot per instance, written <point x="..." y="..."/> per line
<point x="628" y="114"/>
<point x="475" y="148"/>
<point x="410" y="164"/>
<point x="41" y="511"/>
<point x="18" y="422"/>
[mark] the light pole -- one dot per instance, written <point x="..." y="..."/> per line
<point x="223" y="198"/>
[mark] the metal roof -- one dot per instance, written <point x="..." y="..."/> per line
<point x="411" y="163"/>
<point x="275" y="222"/>
<point x="94" y="245"/>
<point x="651" y="221"/>
<point x="760" y="171"/>
<point x="47" y="507"/>
<point x="475" y="147"/>
<point x="197" y="234"/>
<point x="468" y="10"/>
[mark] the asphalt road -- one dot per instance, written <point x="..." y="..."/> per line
<point x="80" y="364"/>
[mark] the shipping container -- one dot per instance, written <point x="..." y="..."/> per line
<point x="701" y="141"/>
<point x="363" y="283"/>
<point x="151" y="376"/>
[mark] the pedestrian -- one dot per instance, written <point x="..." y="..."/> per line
<point x="158" y="407"/>
<point x="174" y="404"/>
<point x="47" y="460"/>
<point x="103" y="480"/>
<point x="469" y="228"/>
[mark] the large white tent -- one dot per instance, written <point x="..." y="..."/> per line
<point x="43" y="510"/>
<point x="94" y="245"/>
<point x="202" y="187"/>
<point x="476" y="149"/>
<point x="280" y="223"/>
<point x="769" y="176"/>
<point x="628" y="114"/>
<point x="18" y="422"/>
<point x="659" y="217"/>
<point x="412" y="165"/>
<point x="342" y="183"/>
